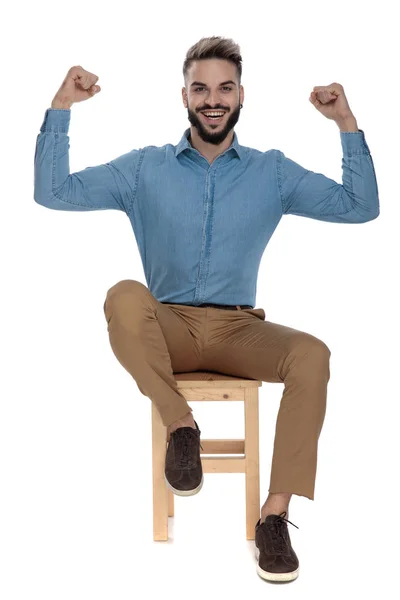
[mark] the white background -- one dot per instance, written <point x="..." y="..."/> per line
<point x="75" y="472"/>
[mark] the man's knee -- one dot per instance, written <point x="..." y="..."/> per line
<point x="309" y="345"/>
<point x="320" y="347"/>
<point x="123" y="288"/>
<point x="308" y="356"/>
<point x="126" y="286"/>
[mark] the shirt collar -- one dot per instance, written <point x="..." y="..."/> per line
<point x="185" y="144"/>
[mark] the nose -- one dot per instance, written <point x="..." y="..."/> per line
<point x="213" y="98"/>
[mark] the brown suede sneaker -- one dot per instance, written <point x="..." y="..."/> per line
<point x="277" y="561"/>
<point x="183" y="468"/>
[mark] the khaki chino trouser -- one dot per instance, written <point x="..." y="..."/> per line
<point x="154" y="340"/>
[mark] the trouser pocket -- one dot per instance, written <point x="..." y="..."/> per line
<point x="257" y="312"/>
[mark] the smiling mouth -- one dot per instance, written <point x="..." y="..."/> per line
<point x="214" y="120"/>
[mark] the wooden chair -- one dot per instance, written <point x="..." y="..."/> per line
<point x="209" y="386"/>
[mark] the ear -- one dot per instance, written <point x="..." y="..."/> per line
<point x="184" y="97"/>
<point x="241" y="94"/>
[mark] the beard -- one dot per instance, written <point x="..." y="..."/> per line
<point x="206" y="132"/>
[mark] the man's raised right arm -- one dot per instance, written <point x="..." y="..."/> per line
<point x="107" y="186"/>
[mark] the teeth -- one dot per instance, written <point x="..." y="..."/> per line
<point x="214" y="114"/>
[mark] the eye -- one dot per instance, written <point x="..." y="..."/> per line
<point x="225" y="87"/>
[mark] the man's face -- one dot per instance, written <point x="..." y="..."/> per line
<point x="212" y="85"/>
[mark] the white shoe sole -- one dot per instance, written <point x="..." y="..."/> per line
<point x="274" y="576"/>
<point x="185" y="492"/>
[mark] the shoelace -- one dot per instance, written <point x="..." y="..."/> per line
<point x="275" y="531"/>
<point x="183" y="446"/>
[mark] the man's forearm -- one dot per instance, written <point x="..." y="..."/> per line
<point x="348" y="125"/>
<point x="60" y="105"/>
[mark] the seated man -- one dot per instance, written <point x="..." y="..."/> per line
<point x="203" y="212"/>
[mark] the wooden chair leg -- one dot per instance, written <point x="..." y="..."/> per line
<point x="170" y="503"/>
<point x="160" y="490"/>
<point x="252" y="472"/>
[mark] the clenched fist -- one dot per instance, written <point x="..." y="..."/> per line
<point x="77" y="86"/>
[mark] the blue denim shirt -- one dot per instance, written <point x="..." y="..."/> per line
<point x="202" y="228"/>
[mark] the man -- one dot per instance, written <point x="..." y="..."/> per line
<point x="203" y="212"/>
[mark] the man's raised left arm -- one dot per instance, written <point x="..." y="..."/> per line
<point x="309" y="194"/>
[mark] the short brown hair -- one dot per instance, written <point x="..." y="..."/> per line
<point x="214" y="47"/>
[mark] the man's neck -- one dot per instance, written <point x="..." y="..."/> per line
<point x="209" y="151"/>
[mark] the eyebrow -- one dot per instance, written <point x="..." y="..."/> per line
<point x="205" y="85"/>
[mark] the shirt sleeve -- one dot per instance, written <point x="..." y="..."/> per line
<point x="108" y="186"/>
<point x="314" y="195"/>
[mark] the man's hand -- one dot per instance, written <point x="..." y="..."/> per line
<point x="331" y="101"/>
<point x="77" y="86"/>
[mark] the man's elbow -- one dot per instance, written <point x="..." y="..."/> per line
<point x="372" y="215"/>
<point x="48" y="201"/>
<point x="39" y="199"/>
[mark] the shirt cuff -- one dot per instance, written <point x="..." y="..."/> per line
<point x="56" y="120"/>
<point x="353" y="142"/>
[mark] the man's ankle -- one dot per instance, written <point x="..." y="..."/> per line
<point x="265" y="512"/>
<point x="186" y="421"/>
